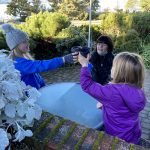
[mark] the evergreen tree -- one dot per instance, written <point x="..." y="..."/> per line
<point x="74" y="9"/>
<point x="19" y="8"/>
<point x="36" y="6"/>
<point x="132" y="4"/>
<point x="145" y="5"/>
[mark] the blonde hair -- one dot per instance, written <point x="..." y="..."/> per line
<point x="14" y="54"/>
<point x="128" y="68"/>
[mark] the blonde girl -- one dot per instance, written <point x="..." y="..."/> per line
<point x="122" y="99"/>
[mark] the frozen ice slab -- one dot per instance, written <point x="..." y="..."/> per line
<point x="69" y="101"/>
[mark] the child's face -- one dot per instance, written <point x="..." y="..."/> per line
<point x="24" y="46"/>
<point x="102" y="48"/>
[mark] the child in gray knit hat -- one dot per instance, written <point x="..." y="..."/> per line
<point x="18" y="42"/>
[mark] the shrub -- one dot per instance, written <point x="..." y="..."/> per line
<point x="129" y="42"/>
<point x="140" y="23"/>
<point x="3" y="44"/>
<point x="44" y="50"/>
<point x="17" y="104"/>
<point x="113" y="24"/>
<point x="146" y="56"/>
<point x="44" y="25"/>
<point x="69" y="37"/>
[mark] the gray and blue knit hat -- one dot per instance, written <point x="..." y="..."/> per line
<point x="13" y="36"/>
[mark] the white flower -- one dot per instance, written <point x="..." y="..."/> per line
<point x="21" y="134"/>
<point x="10" y="110"/>
<point x="34" y="93"/>
<point x="4" y="142"/>
<point x="21" y="109"/>
<point x="2" y="103"/>
<point x="11" y="90"/>
<point x="38" y="112"/>
<point x="18" y="106"/>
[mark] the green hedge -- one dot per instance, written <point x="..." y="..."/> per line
<point x="146" y="56"/>
<point x="44" y="25"/>
<point x="129" y="42"/>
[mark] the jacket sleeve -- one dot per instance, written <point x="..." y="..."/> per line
<point x="26" y="66"/>
<point x="96" y="90"/>
<point x="90" y="66"/>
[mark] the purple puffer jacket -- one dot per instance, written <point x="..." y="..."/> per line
<point x="121" y="106"/>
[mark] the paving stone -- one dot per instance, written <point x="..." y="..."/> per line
<point x="145" y="136"/>
<point x="145" y="111"/>
<point x="145" y="125"/>
<point x="74" y="137"/>
<point x="122" y="146"/>
<point x="89" y="140"/>
<point x="144" y="115"/>
<point x="146" y="120"/>
<point x="107" y="142"/>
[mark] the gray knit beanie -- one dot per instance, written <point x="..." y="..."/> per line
<point x="13" y="36"/>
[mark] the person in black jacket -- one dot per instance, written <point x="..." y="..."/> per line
<point x="102" y="59"/>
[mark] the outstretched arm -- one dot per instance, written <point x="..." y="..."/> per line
<point x="36" y="66"/>
<point x="96" y="90"/>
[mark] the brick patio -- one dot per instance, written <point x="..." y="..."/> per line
<point x="56" y="133"/>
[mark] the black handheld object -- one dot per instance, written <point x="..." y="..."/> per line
<point x="83" y="50"/>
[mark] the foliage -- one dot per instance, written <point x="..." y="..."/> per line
<point x="44" y="50"/>
<point x="74" y="9"/>
<point x="129" y="42"/>
<point x="147" y="39"/>
<point x="131" y="4"/>
<point x="3" y="44"/>
<point x="69" y="37"/>
<point x="36" y="6"/>
<point x="44" y="25"/>
<point x="24" y="8"/>
<point x="146" y="56"/>
<point x="74" y="36"/>
<point x="19" y="8"/>
<point x="95" y="4"/>
<point x="113" y="23"/>
<point x="55" y="4"/>
<point x="140" y="23"/>
<point x="96" y="31"/>
<point x="145" y="4"/>
<point x="116" y="24"/>
<point x="17" y="104"/>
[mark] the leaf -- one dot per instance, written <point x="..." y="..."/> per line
<point x="30" y="114"/>
<point x="2" y="104"/>
<point x="17" y="103"/>
<point x="28" y="133"/>
<point x="19" y="136"/>
<point x="31" y="101"/>
<point x="11" y="90"/>
<point x="4" y="142"/>
<point x="34" y="93"/>
<point x="10" y="110"/>
<point x="38" y="112"/>
<point x="21" y="109"/>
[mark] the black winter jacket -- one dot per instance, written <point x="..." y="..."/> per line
<point x="101" y="67"/>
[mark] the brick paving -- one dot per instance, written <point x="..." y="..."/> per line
<point x="71" y="74"/>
